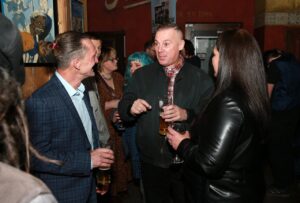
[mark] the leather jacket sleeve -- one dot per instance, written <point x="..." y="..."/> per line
<point x="214" y="138"/>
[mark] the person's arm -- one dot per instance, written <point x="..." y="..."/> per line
<point x="213" y="154"/>
<point x="129" y="96"/>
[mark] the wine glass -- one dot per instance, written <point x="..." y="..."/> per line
<point x="181" y="128"/>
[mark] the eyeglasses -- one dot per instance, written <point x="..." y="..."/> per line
<point x="112" y="59"/>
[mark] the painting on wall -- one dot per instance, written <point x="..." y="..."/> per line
<point x="162" y="11"/>
<point x="36" y="20"/>
<point x="78" y="21"/>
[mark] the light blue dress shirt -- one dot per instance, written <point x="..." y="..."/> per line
<point x="77" y="99"/>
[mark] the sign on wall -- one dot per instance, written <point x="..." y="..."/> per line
<point x="163" y="11"/>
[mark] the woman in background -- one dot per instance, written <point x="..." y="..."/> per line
<point x="222" y="156"/>
<point x="110" y="86"/>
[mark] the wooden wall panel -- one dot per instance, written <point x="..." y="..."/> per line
<point x="35" y="77"/>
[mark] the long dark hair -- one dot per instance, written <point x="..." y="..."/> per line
<point x="15" y="147"/>
<point x="241" y="66"/>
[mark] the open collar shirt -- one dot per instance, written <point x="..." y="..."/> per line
<point x="77" y="99"/>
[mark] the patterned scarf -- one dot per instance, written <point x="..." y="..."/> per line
<point x="171" y="72"/>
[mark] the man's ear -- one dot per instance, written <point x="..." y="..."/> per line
<point x="75" y="63"/>
<point x="181" y="45"/>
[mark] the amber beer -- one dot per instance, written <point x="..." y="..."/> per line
<point x="103" y="181"/>
<point x="163" y="126"/>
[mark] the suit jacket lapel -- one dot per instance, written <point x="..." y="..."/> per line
<point x="94" y="126"/>
<point x="69" y="104"/>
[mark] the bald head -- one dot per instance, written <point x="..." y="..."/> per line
<point x="171" y="26"/>
<point x="168" y="44"/>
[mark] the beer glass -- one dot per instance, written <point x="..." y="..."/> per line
<point x="103" y="177"/>
<point x="103" y="181"/>
<point x="163" y="125"/>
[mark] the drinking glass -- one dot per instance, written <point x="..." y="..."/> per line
<point x="118" y="124"/>
<point x="163" y="125"/>
<point x="181" y="128"/>
<point x="103" y="177"/>
<point x="103" y="181"/>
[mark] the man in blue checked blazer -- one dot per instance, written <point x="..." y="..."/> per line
<point x="62" y="125"/>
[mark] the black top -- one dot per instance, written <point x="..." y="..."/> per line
<point x="225" y="149"/>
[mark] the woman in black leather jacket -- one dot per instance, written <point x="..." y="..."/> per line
<point x="222" y="157"/>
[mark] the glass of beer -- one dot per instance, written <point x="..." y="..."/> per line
<point x="103" y="177"/>
<point x="163" y="125"/>
<point x="103" y="181"/>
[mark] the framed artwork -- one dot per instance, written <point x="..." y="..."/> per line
<point x="162" y="11"/>
<point x="78" y="15"/>
<point x="36" y="20"/>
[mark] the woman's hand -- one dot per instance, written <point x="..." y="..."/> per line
<point x="116" y="117"/>
<point x="175" y="138"/>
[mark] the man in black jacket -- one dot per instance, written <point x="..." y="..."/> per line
<point x="190" y="89"/>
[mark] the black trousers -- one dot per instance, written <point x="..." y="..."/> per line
<point x="163" y="185"/>
<point x="280" y="152"/>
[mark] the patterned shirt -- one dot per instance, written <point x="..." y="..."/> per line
<point x="171" y="72"/>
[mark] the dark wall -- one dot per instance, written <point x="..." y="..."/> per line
<point x="136" y="22"/>
<point x="270" y="37"/>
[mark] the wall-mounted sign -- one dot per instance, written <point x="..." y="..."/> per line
<point x="163" y="11"/>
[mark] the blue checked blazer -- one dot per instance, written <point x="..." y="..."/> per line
<point x="57" y="132"/>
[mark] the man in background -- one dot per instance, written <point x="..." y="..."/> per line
<point x="189" y="54"/>
<point x="92" y="89"/>
<point x="283" y="77"/>
<point x="150" y="49"/>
